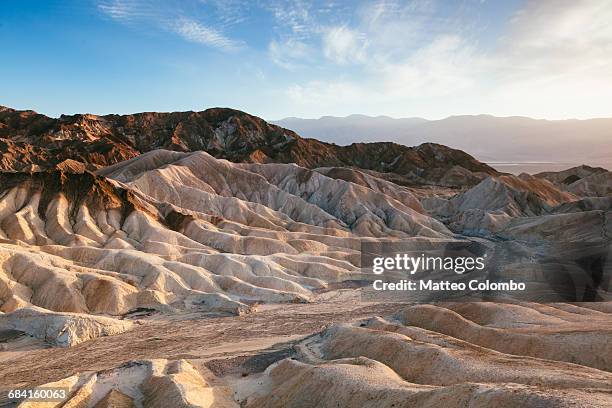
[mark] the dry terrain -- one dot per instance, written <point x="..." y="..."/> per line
<point x="141" y="267"/>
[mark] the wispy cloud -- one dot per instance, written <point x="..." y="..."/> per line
<point x="296" y="16"/>
<point x="130" y="10"/>
<point x="170" y="16"/>
<point x="199" y="33"/>
<point x="229" y="13"/>
<point x="117" y="9"/>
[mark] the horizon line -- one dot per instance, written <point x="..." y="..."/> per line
<point x="320" y="117"/>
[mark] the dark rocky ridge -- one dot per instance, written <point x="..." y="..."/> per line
<point x="30" y="142"/>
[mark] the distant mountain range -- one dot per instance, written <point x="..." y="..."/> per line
<point x="489" y="138"/>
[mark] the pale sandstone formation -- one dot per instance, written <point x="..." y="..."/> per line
<point x="174" y="231"/>
<point x="61" y="329"/>
<point x="303" y="195"/>
<point x="527" y="208"/>
<point x="149" y="383"/>
<point x="479" y="355"/>
<point x="362" y="382"/>
<point x="514" y="196"/>
<point x="400" y="193"/>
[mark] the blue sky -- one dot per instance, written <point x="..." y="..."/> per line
<point x="427" y="58"/>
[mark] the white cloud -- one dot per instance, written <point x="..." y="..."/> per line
<point x="445" y="66"/>
<point x="557" y="60"/>
<point x="342" y="44"/>
<point x="379" y="30"/>
<point x="306" y="25"/>
<point x="558" y="37"/>
<point x="287" y="53"/>
<point x="553" y="59"/>
<point x="196" y="32"/>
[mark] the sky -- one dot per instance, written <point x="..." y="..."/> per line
<point x="547" y="59"/>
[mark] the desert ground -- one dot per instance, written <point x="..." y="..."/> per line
<point x="209" y="259"/>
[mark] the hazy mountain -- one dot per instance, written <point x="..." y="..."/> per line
<point x="353" y="128"/>
<point x="489" y="138"/>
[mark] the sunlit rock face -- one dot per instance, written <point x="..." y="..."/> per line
<point x="185" y="230"/>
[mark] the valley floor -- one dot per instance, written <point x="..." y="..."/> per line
<point x="223" y="344"/>
<point x="482" y="353"/>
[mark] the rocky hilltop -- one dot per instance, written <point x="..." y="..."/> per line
<point x="31" y="141"/>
